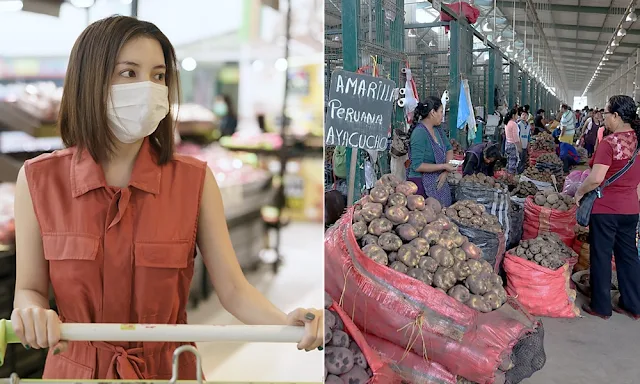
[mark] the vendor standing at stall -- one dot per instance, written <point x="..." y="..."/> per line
<point x="481" y="158"/>
<point x="430" y="152"/>
<point x="567" y="125"/>
<point x="524" y="130"/>
<point x="513" y="145"/>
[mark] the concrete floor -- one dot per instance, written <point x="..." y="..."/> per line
<point x="590" y="350"/>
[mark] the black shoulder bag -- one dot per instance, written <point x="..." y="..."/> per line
<point x="583" y="214"/>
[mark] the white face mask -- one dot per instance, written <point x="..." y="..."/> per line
<point x="135" y="110"/>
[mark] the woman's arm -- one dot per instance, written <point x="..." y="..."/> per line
<point x="449" y="155"/>
<point x="236" y="295"/>
<point x="32" y="270"/>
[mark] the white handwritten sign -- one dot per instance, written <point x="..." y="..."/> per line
<point x="359" y="111"/>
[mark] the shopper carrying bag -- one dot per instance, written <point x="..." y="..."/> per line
<point x="611" y="211"/>
<point x="113" y="220"/>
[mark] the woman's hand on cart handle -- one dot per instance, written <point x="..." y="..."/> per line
<point x="313" y="322"/>
<point x="38" y="328"/>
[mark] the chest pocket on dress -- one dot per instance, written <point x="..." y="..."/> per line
<point x="73" y="269"/>
<point x="161" y="270"/>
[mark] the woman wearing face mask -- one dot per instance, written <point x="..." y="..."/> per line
<point x="228" y="121"/>
<point x="430" y="152"/>
<point x="614" y="217"/>
<point x="113" y="220"/>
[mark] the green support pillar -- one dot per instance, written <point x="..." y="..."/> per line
<point x="523" y="88"/>
<point x="513" y="72"/>
<point x="350" y="57"/>
<point x="454" y="79"/>
<point x="532" y="92"/>
<point x="396" y="40"/>
<point x="491" y="81"/>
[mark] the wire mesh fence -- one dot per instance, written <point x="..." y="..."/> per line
<point x="379" y="29"/>
<point x="428" y="55"/>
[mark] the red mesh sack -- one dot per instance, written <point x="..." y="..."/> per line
<point x="413" y="315"/>
<point x="411" y="367"/>
<point x="382" y="371"/>
<point x="542" y="291"/>
<point x="533" y="156"/>
<point x="539" y="220"/>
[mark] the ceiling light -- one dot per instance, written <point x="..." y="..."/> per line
<point x="622" y="32"/>
<point x="609" y="52"/>
<point x="486" y="27"/>
<point x="432" y="44"/>
<point x="499" y="39"/>
<point x="605" y="58"/>
<point x="11" y="6"/>
<point x="189" y="64"/>
<point x="631" y="17"/>
<point x="411" y="33"/>
<point x="281" y="64"/>
<point x="510" y="48"/>
<point x="614" y="43"/>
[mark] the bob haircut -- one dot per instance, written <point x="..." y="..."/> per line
<point x="83" y="110"/>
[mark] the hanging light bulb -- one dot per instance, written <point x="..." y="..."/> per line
<point x="510" y="48"/>
<point x="411" y="33"/>
<point x="486" y="27"/>
<point x="499" y="39"/>
<point x="622" y="32"/>
<point x="631" y="17"/>
<point x="432" y="44"/>
<point x="614" y="43"/>
<point x="609" y="52"/>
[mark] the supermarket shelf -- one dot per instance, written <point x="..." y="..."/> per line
<point x="293" y="152"/>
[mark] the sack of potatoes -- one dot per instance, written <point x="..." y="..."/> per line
<point x="410" y="234"/>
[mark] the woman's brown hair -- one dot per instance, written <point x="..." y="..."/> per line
<point x="83" y="111"/>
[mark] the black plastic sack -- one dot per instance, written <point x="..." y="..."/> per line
<point x="496" y="202"/>
<point x="491" y="244"/>
<point x="516" y="220"/>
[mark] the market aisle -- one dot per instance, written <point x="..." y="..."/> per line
<point x="590" y="351"/>
<point x="299" y="283"/>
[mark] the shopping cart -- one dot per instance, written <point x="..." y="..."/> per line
<point x="157" y="333"/>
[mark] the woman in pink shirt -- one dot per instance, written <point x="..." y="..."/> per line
<point x="513" y="146"/>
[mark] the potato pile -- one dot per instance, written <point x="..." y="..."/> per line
<point x="586" y="280"/>
<point x="344" y="362"/>
<point x="457" y="148"/>
<point x="397" y="228"/>
<point x="549" y="158"/>
<point x="553" y="200"/>
<point x="582" y="247"/>
<point x="584" y="154"/>
<point x="524" y="189"/>
<point x="543" y="142"/>
<point x="546" y="250"/>
<point x="535" y="174"/>
<point x="482" y="179"/>
<point x="454" y="178"/>
<point x="508" y="179"/>
<point x="472" y="214"/>
<point x="582" y="233"/>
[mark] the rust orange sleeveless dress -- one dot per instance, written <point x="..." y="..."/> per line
<point x="118" y="255"/>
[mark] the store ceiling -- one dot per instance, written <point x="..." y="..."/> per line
<point x="578" y="33"/>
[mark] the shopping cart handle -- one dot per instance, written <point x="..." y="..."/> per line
<point x="163" y="333"/>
